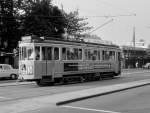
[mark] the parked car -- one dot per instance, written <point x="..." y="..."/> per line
<point x="147" y="66"/>
<point x="7" y="70"/>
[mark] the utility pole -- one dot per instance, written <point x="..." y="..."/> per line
<point x="133" y="36"/>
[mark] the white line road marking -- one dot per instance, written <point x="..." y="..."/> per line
<point x="89" y="109"/>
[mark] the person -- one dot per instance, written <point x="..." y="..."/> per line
<point x="35" y="54"/>
<point x="136" y="64"/>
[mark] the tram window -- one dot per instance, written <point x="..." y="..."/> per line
<point x="30" y="53"/>
<point x="73" y="54"/>
<point x="111" y="55"/>
<point x="76" y="54"/>
<point x="80" y="54"/>
<point x="89" y="55"/>
<point x="64" y="54"/>
<point x="37" y="53"/>
<point x="119" y="56"/>
<point x="56" y="53"/>
<point x="86" y="54"/>
<point x="94" y="55"/>
<point x="44" y="53"/>
<point x="70" y="54"/>
<point x="99" y="55"/>
<point x="49" y="53"/>
<point x="24" y="53"/>
<point x="105" y="55"/>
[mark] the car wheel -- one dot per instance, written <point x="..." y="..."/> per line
<point x="13" y="76"/>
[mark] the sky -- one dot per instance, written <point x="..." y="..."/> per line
<point x="127" y="15"/>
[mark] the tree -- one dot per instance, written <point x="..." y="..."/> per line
<point x="8" y="26"/>
<point x="75" y="24"/>
<point x="41" y="18"/>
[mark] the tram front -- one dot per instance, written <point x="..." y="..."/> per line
<point x="26" y="61"/>
<point x="29" y="56"/>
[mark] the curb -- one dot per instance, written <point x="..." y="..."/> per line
<point x="103" y="93"/>
<point x="15" y="84"/>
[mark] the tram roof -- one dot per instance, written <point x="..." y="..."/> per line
<point x="30" y="39"/>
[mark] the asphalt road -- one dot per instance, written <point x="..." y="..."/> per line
<point x="130" y="101"/>
<point x="9" y="93"/>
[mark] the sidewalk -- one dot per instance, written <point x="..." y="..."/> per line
<point x="63" y="98"/>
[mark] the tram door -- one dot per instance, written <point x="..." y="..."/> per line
<point x="47" y="61"/>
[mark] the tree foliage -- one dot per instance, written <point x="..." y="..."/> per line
<point x="75" y="24"/>
<point x="41" y="18"/>
<point x="38" y="17"/>
<point x="8" y="26"/>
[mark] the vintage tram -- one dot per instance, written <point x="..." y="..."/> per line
<point x="51" y="60"/>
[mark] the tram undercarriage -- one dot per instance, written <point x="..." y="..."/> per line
<point x="75" y="78"/>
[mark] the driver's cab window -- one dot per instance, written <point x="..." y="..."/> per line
<point x="34" y="54"/>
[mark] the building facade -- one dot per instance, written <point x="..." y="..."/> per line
<point x="134" y="57"/>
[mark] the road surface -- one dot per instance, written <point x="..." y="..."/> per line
<point x="10" y="94"/>
<point x="130" y="101"/>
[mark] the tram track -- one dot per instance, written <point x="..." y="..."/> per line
<point x="124" y="73"/>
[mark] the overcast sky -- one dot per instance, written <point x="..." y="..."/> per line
<point x="120" y="30"/>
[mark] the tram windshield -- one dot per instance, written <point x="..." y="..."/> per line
<point x="29" y="53"/>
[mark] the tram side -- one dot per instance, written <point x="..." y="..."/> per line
<point x="58" y="61"/>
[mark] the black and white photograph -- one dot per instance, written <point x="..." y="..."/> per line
<point x="74" y="56"/>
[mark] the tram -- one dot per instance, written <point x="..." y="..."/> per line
<point x="52" y="61"/>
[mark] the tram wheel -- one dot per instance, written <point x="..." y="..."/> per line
<point x="39" y="82"/>
<point x="65" y="81"/>
<point x="81" y="79"/>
